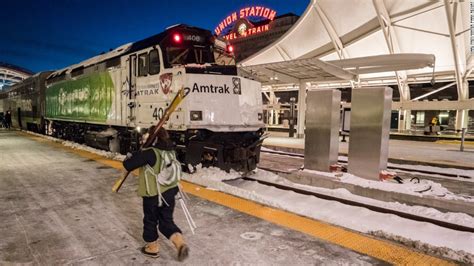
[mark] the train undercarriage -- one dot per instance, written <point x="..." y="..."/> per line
<point x="239" y="151"/>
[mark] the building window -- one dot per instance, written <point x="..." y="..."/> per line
<point x="420" y="118"/>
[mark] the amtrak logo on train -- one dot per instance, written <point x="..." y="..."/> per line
<point x="147" y="90"/>
<point x="165" y="82"/>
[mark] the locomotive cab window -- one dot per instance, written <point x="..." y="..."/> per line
<point x="154" y="62"/>
<point x="142" y="64"/>
<point x="191" y="55"/>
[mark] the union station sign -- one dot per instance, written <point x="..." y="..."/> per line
<point x="239" y="24"/>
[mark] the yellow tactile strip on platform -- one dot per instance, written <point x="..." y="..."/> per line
<point x="380" y="249"/>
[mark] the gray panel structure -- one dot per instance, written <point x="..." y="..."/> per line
<point x="369" y="132"/>
<point x="322" y="129"/>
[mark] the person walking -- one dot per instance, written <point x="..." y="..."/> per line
<point x="8" y="119"/>
<point x="158" y="193"/>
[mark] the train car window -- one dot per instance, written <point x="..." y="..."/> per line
<point x="154" y="60"/>
<point x="142" y="64"/>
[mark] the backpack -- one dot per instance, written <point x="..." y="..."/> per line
<point x="170" y="168"/>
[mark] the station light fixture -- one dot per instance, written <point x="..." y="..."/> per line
<point x="230" y="48"/>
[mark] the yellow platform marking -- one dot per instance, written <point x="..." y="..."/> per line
<point x="377" y="248"/>
<point x="457" y="142"/>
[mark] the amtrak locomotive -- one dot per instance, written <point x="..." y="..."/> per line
<point x="110" y="100"/>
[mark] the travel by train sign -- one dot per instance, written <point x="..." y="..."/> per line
<point x="241" y="25"/>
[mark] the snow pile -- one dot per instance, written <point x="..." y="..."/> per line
<point x="355" y="218"/>
<point x="107" y="154"/>
<point x="461" y="256"/>
<point x="423" y="188"/>
<point x="212" y="178"/>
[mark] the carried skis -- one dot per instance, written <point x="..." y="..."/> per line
<point x="174" y="104"/>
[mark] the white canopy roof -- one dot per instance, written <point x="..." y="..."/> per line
<point x="344" y="29"/>
<point x="315" y="70"/>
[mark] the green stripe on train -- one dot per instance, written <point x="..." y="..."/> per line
<point x="87" y="98"/>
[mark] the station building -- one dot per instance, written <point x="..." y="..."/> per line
<point x="441" y="93"/>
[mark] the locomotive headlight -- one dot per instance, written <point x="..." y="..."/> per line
<point x="196" y="115"/>
<point x="138" y="129"/>
<point x="260" y="116"/>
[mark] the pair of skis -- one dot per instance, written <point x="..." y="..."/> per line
<point x="182" y="93"/>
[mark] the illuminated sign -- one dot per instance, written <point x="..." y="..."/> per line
<point x="243" y="15"/>
<point x="243" y="31"/>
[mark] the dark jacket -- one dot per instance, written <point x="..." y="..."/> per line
<point x="147" y="156"/>
<point x="8" y="117"/>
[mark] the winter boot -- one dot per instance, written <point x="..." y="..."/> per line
<point x="151" y="249"/>
<point x="178" y="241"/>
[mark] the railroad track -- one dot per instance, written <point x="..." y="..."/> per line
<point x="375" y="208"/>
<point x="389" y="167"/>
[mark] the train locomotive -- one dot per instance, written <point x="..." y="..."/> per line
<point x="110" y="100"/>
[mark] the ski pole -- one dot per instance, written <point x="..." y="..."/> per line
<point x="186" y="215"/>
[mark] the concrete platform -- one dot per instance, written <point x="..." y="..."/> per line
<point x="440" y="153"/>
<point x="57" y="208"/>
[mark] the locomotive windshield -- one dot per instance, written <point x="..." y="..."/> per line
<point x="189" y="55"/>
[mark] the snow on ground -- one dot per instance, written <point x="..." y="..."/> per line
<point x="453" y="244"/>
<point x="77" y="146"/>
<point x="355" y="218"/>
<point x="455" y="218"/>
<point x="423" y="188"/>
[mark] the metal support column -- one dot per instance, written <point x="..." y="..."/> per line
<point x="292" y="117"/>
<point x="462" y="119"/>
<point x="322" y="129"/>
<point x="460" y="62"/>
<point x="370" y="128"/>
<point x="404" y="119"/>
<point x="301" y="109"/>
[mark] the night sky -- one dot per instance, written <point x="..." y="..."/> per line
<point x="47" y="35"/>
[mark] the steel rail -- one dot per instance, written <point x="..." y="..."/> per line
<point x="389" y="167"/>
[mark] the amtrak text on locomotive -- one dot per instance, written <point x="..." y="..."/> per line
<point x="211" y="89"/>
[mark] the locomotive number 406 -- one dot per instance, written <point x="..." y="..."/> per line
<point x="158" y="113"/>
